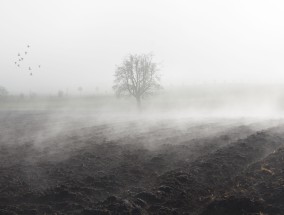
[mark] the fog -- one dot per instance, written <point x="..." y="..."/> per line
<point x="141" y="107"/>
<point x="221" y="59"/>
<point x="78" y="43"/>
<point x="220" y="65"/>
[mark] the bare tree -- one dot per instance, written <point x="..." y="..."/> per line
<point x="137" y="76"/>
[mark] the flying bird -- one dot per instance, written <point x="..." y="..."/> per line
<point x="31" y="74"/>
<point x="26" y="52"/>
<point x="28" y="46"/>
<point x="19" y="54"/>
<point x="30" y="68"/>
<point x="38" y="66"/>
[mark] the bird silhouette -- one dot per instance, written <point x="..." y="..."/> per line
<point x="26" y="52"/>
<point x="31" y="74"/>
<point x="18" y="65"/>
<point x="19" y="54"/>
<point x="28" y="46"/>
<point x="38" y="66"/>
<point x="30" y="68"/>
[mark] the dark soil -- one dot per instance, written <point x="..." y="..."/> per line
<point x="237" y="169"/>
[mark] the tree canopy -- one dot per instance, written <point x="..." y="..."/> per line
<point x="137" y="76"/>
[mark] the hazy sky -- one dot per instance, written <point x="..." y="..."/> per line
<point x="78" y="43"/>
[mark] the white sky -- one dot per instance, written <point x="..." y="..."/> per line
<point x="78" y="43"/>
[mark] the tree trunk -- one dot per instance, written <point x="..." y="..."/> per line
<point x="138" y="100"/>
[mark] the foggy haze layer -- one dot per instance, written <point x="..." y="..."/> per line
<point x="79" y="43"/>
<point x="214" y="100"/>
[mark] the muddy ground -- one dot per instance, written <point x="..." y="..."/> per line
<point x="54" y="163"/>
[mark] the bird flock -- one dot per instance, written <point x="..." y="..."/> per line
<point x="20" y="59"/>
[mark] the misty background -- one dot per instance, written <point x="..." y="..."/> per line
<point x="211" y="54"/>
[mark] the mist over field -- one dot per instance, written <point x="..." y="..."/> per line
<point x="210" y="100"/>
<point x="141" y="107"/>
